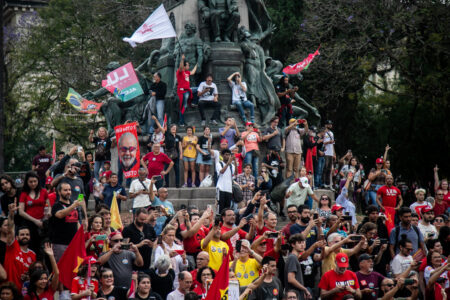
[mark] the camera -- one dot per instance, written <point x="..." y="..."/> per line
<point x="273" y="235"/>
<point x="238" y="245"/>
<point x="125" y="247"/>
<point x="301" y="121"/>
<point x="409" y="281"/>
<point x="383" y="241"/>
<point x="347" y="218"/>
<point x="356" y="238"/>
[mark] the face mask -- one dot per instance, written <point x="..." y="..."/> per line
<point x="305" y="220"/>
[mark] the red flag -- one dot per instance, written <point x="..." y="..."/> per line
<point x="390" y="218"/>
<point x="72" y="258"/>
<point x="300" y="66"/>
<point x="54" y="151"/>
<point x="219" y="286"/>
<point x="165" y="122"/>
<point x="132" y="290"/>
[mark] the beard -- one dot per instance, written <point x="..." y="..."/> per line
<point x="128" y="160"/>
<point x="23" y="242"/>
<point x="139" y="224"/>
<point x="305" y="220"/>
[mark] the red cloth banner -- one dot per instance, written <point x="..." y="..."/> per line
<point x="128" y="147"/>
<point x="390" y="218"/>
<point x="300" y="66"/>
<point x="72" y="258"/>
<point x="219" y="286"/>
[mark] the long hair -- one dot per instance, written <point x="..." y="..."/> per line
<point x="9" y="179"/>
<point x="34" y="278"/>
<point x="26" y="187"/>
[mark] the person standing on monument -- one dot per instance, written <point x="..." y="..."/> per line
<point x="239" y="96"/>
<point x="158" y="90"/>
<point x="184" y="91"/>
<point x="208" y="96"/>
<point x="286" y="96"/>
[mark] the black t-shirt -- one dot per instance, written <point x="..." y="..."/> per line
<point x="274" y="161"/>
<point x="76" y="185"/>
<point x="286" y="99"/>
<point x="268" y="291"/>
<point x="85" y="172"/>
<point x="5" y="200"/>
<point x="203" y="142"/>
<point x="117" y="293"/>
<point x="151" y="296"/>
<point x="102" y="148"/>
<point x="160" y="90"/>
<point x="162" y="285"/>
<point x="136" y="236"/>
<point x="172" y="141"/>
<point x="63" y="230"/>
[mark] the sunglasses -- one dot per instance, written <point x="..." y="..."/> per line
<point x="389" y="285"/>
<point x="439" y="194"/>
<point x="117" y="240"/>
<point x="108" y="276"/>
<point x="125" y="149"/>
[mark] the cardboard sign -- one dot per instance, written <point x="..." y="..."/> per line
<point x="128" y="148"/>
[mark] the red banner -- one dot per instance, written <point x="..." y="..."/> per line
<point x="72" y="258"/>
<point x="128" y="148"/>
<point x="300" y="66"/>
<point x="390" y="218"/>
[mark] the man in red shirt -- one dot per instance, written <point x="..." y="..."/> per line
<point x="18" y="256"/>
<point x="269" y="219"/>
<point x="440" y="206"/>
<point x="339" y="282"/>
<point x="292" y="215"/>
<point x="196" y="232"/>
<point x="154" y="162"/>
<point x="230" y="234"/>
<point x="201" y="261"/>
<point x="184" y="91"/>
<point x="389" y="195"/>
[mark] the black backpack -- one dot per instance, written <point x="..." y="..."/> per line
<point x="397" y="233"/>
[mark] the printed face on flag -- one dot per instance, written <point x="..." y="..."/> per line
<point x="128" y="146"/>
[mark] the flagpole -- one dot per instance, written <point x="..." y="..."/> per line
<point x="89" y="276"/>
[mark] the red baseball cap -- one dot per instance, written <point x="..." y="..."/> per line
<point x="342" y="260"/>
<point x="263" y="240"/>
<point x="379" y="160"/>
<point x="224" y="141"/>
<point x="248" y="124"/>
<point x="336" y="207"/>
<point x="89" y="259"/>
<point x="426" y="209"/>
<point x="48" y="180"/>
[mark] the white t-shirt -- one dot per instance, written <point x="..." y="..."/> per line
<point x="299" y="194"/>
<point x="225" y="180"/>
<point x="427" y="274"/>
<point x="428" y="229"/>
<point x="142" y="200"/>
<point x="237" y="92"/>
<point x="208" y="96"/>
<point x="329" y="136"/>
<point x="417" y="204"/>
<point x="175" y="295"/>
<point x="400" y="263"/>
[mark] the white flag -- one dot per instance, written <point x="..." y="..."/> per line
<point x="157" y="26"/>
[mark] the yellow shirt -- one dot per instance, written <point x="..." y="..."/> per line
<point x="247" y="272"/>
<point x="329" y="262"/>
<point x="190" y="150"/>
<point x="215" y="251"/>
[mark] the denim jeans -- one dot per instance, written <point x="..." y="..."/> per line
<point x="185" y="102"/>
<point x="245" y="104"/>
<point x="159" y="115"/>
<point x="97" y="166"/>
<point x="252" y="158"/>
<point x="318" y="171"/>
<point x="176" y="168"/>
<point x="371" y="195"/>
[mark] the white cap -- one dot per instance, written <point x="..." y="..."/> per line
<point x="304" y="181"/>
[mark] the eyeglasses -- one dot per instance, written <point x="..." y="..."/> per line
<point x="292" y="212"/>
<point x="324" y="198"/>
<point x="389" y="284"/>
<point x="439" y="220"/>
<point x="125" y="149"/>
<point x="117" y="240"/>
<point x="263" y="171"/>
<point x="108" y="276"/>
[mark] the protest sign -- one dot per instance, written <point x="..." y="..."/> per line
<point x="128" y="147"/>
<point x="123" y="83"/>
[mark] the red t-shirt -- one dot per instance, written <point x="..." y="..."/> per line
<point x="155" y="163"/>
<point x="106" y="174"/>
<point x="34" y="207"/>
<point x="17" y="262"/>
<point x="286" y="230"/>
<point x="52" y="198"/>
<point x="270" y="242"/>
<point x="231" y="242"/>
<point x="192" y="244"/>
<point x="95" y="248"/>
<point x="240" y="162"/>
<point x="447" y="197"/>
<point x="183" y="79"/>
<point x="195" y="283"/>
<point x="440" y="209"/>
<point x="46" y="295"/>
<point x="389" y="195"/>
<point x="80" y="285"/>
<point x="331" y="279"/>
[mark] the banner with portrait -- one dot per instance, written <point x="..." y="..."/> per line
<point x="128" y="149"/>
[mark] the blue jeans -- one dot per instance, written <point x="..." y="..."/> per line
<point x="245" y="104"/>
<point x="185" y="102"/>
<point x="371" y="195"/>
<point x="159" y="115"/>
<point x="318" y="171"/>
<point x="252" y="158"/>
<point x="97" y="166"/>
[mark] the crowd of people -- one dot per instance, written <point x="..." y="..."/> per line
<point x="397" y="250"/>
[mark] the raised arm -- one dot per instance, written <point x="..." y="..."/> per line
<point x="55" y="279"/>
<point x="12" y="211"/>
<point x="180" y="67"/>
<point x="194" y="70"/>
<point x="227" y="235"/>
<point x="209" y="237"/>
<point x="194" y="229"/>
<point x="436" y="178"/>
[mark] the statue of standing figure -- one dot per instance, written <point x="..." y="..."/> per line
<point x="260" y="88"/>
<point x="191" y="46"/>
<point x="223" y="17"/>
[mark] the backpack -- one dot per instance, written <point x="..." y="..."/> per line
<point x="397" y="233"/>
<point x="100" y="150"/>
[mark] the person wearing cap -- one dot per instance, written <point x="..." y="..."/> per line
<point x="273" y="135"/>
<point x="389" y="195"/>
<point x="337" y="283"/>
<point x="293" y="147"/>
<point x="230" y="131"/>
<point x="336" y="222"/>
<point x="251" y="137"/>
<point x="420" y="202"/>
<point x="298" y="191"/>
<point x="369" y="280"/>
<point x="377" y="177"/>
<point x="239" y="97"/>
<point x="81" y="289"/>
<point x="335" y="243"/>
<point x="426" y="227"/>
<point x="330" y="154"/>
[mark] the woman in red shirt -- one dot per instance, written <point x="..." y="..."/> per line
<point x="95" y="238"/>
<point x="39" y="284"/>
<point x="205" y="275"/>
<point x="31" y="207"/>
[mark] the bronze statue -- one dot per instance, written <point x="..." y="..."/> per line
<point x="191" y="47"/>
<point x="116" y="111"/>
<point x="223" y="17"/>
<point x="260" y="88"/>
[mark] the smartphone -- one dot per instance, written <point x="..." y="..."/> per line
<point x="125" y="247"/>
<point x="249" y="217"/>
<point x="384" y="241"/>
<point x="80" y="197"/>
<point x="217" y="221"/>
<point x="100" y="237"/>
<point x="315" y="216"/>
<point x="238" y="245"/>
<point x="347" y="218"/>
<point x="80" y="149"/>
<point x="273" y="235"/>
<point x="159" y="240"/>
<point x="157" y="177"/>
<point x="356" y="238"/>
<point x="409" y="281"/>
<point x="301" y="121"/>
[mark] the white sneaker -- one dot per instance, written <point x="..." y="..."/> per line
<point x="203" y="123"/>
